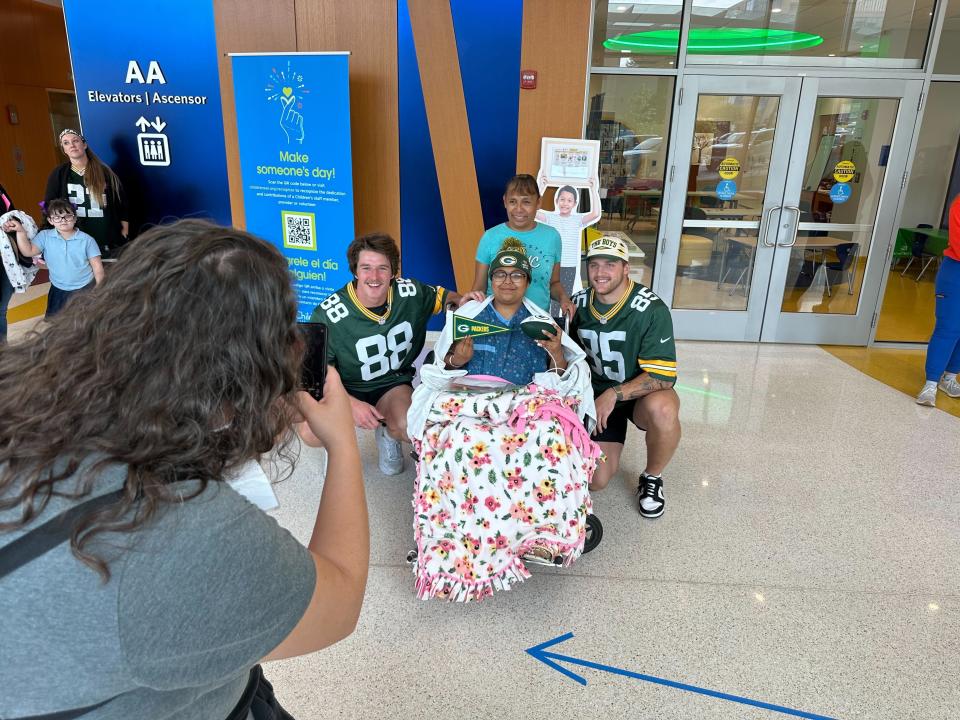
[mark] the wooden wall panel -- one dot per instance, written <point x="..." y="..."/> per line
<point x="18" y="51"/>
<point x="53" y="70"/>
<point x="34" y="137"/>
<point x="247" y="26"/>
<point x="439" y="64"/>
<point x="33" y="59"/>
<point x="368" y="30"/>
<point x="555" y="44"/>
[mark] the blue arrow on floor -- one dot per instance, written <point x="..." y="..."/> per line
<point x="550" y="659"/>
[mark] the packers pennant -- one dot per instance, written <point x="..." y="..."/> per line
<point x="464" y="327"/>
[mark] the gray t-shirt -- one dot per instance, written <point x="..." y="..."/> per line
<point x="195" y="599"/>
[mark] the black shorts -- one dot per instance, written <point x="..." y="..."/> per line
<point x="372" y="397"/>
<point x="616" y="430"/>
<point x="57" y="299"/>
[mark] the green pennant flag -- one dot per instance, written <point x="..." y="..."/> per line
<point x="464" y="327"/>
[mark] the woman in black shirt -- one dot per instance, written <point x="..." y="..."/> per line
<point x="95" y="189"/>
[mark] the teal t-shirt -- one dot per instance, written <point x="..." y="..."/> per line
<point x="543" y="250"/>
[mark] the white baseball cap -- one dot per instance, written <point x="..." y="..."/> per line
<point x="610" y="247"/>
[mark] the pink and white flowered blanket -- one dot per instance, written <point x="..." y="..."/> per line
<point x="498" y="472"/>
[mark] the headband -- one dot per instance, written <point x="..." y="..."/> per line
<point x="70" y="131"/>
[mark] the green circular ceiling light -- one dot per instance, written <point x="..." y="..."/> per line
<point x="714" y="41"/>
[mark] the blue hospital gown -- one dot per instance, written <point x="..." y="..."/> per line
<point x="510" y="355"/>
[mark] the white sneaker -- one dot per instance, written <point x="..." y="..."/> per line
<point x="928" y="396"/>
<point x="650" y="490"/>
<point x="951" y="388"/>
<point x="391" y="454"/>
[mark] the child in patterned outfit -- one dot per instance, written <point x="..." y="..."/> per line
<point x="510" y="355"/>
<point x="502" y="474"/>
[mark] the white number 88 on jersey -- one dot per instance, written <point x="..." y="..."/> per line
<point x="378" y="355"/>
<point x="334" y="308"/>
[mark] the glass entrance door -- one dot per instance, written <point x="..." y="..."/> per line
<point x="777" y="228"/>
<point x="842" y="191"/>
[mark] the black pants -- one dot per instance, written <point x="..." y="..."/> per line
<point x="57" y="299"/>
<point x="258" y="700"/>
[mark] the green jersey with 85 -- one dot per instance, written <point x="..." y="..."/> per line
<point x="623" y="340"/>
<point x="371" y="350"/>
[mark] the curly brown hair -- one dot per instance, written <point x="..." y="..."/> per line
<point x="178" y="366"/>
<point x="374" y="242"/>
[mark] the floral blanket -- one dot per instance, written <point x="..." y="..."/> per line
<point x="498" y="472"/>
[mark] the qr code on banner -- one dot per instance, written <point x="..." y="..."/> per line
<point x="299" y="230"/>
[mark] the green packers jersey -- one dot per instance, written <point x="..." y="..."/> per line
<point x="626" y="339"/>
<point x="372" y="351"/>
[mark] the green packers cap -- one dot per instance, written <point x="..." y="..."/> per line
<point x="609" y="247"/>
<point x="512" y="256"/>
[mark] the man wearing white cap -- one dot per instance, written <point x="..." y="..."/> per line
<point x="627" y="333"/>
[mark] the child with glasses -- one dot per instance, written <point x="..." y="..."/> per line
<point x="71" y="255"/>
<point x="511" y="354"/>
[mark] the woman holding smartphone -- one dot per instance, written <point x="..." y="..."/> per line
<point x="158" y="588"/>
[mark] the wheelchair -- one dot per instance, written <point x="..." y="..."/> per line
<point x="499" y="487"/>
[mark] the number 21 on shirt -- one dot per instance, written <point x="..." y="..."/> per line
<point x="78" y="195"/>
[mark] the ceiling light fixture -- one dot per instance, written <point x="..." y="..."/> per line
<point x="714" y="41"/>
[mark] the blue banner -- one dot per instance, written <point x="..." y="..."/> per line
<point x="293" y="122"/>
<point x="148" y="90"/>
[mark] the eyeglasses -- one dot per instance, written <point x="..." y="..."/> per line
<point x="61" y="218"/>
<point x="501" y="276"/>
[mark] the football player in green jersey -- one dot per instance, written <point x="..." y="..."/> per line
<point x="376" y="327"/>
<point x="627" y="334"/>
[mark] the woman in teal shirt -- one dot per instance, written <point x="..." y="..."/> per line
<point x="521" y="199"/>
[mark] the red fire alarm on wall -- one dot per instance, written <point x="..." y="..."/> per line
<point x="528" y="79"/>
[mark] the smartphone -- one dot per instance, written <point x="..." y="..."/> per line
<point x="314" y="372"/>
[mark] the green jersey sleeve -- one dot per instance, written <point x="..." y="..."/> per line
<point x="433" y="297"/>
<point x="579" y="300"/>
<point x="319" y="316"/>
<point x="331" y="353"/>
<point x="657" y="355"/>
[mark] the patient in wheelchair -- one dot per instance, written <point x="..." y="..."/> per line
<point x="504" y="458"/>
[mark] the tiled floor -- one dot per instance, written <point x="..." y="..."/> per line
<point x="809" y="558"/>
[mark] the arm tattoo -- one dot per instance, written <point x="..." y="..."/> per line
<point x="643" y="385"/>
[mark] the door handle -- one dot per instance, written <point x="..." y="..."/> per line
<point x="796" y="226"/>
<point x="766" y="226"/>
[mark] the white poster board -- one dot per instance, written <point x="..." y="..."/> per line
<point x="569" y="164"/>
<point x="569" y="161"/>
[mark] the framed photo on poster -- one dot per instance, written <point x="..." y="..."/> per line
<point x="568" y="161"/>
